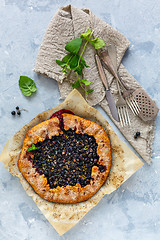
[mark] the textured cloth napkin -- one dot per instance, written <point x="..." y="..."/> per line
<point x="68" y="23"/>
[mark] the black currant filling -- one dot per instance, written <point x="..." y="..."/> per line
<point x="67" y="159"/>
<point x="59" y="115"/>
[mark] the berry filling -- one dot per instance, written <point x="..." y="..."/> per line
<point x="59" y="115"/>
<point x="66" y="159"/>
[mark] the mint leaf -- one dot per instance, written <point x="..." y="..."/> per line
<point x="97" y="43"/>
<point x="68" y="67"/>
<point x="76" y="84"/>
<point x="74" y="62"/>
<point x="86" y="34"/>
<point x="86" y="82"/>
<point x="84" y="62"/>
<point x="32" y="148"/>
<point x="74" y="45"/>
<point x="78" y="70"/>
<point x="65" y="61"/>
<point x="27" y="85"/>
<point x="67" y="58"/>
<point x="89" y="91"/>
<point x="61" y="63"/>
<point x="63" y="71"/>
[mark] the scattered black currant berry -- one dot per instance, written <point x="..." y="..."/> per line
<point x="13" y="113"/>
<point x="137" y="135"/>
<point x="18" y="113"/>
<point x="17" y="108"/>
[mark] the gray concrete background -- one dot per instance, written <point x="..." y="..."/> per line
<point x="131" y="212"/>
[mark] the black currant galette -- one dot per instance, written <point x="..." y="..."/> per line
<point x="66" y="159"/>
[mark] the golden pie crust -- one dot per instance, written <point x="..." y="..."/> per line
<point x="50" y="128"/>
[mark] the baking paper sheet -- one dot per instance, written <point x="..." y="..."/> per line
<point x="124" y="164"/>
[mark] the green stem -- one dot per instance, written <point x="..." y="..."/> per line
<point x="80" y="82"/>
<point x="67" y="62"/>
<point x="82" y="86"/>
<point x="85" y="46"/>
<point x="77" y="75"/>
<point x="81" y="57"/>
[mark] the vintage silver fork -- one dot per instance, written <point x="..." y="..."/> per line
<point x="121" y="103"/>
<point x="109" y="59"/>
<point x="131" y="101"/>
<point x="122" y="109"/>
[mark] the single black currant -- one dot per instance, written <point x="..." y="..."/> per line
<point x="13" y="113"/>
<point x="18" y="112"/>
<point x="138" y="134"/>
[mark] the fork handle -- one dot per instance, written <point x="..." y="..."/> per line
<point x="122" y="82"/>
<point x="119" y="90"/>
<point x="111" y="68"/>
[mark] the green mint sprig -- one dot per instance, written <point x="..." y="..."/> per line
<point x="33" y="147"/>
<point x="74" y="61"/>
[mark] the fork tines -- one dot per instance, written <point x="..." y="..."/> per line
<point x="123" y="115"/>
<point x="133" y="105"/>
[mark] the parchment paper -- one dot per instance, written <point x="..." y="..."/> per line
<point x="124" y="163"/>
<point x="68" y="23"/>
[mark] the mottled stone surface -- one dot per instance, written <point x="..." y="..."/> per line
<point x="132" y="212"/>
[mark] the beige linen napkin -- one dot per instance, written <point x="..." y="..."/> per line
<point x="124" y="164"/>
<point x="69" y="22"/>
